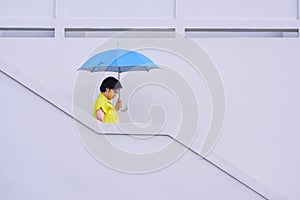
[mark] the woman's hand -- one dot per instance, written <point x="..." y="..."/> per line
<point x="118" y="104"/>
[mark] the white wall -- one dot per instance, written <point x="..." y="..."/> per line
<point x="42" y="156"/>
<point x="246" y="9"/>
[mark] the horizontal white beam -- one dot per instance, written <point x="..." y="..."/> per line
<point x="242" y="23"/>
<point x="148" y="23"/>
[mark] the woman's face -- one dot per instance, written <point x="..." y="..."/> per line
<point x="112" y="93"/>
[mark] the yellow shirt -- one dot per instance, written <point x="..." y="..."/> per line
<point x="110" y="113"/>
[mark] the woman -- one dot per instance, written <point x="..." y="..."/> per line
<point x="104" y="111"/>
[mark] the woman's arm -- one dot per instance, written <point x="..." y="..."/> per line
<point x="100" y="115"/>
<point x="118" y="104"/>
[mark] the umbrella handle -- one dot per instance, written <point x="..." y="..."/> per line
<point x="123" y="109"/>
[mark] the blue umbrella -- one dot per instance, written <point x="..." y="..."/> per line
<point x="118" y="60"/>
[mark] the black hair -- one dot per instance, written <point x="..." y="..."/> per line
<point x="110" y="83"/>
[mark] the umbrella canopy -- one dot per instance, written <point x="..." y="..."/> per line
<point x="118" y="60"/>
